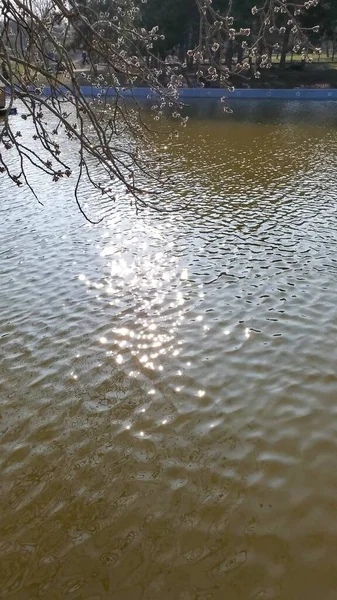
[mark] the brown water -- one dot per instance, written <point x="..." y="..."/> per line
<point x="164" y="437"/>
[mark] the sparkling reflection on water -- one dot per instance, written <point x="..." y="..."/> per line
<point x="168" y="382"/>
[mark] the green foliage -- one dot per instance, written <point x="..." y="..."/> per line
<point x="324" y="15"/>
<point x="178" y="20"/>
<point x="92" y="10"/>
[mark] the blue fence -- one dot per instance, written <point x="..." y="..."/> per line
<point x="243" y="94"/>
<point x="204" y="93"/>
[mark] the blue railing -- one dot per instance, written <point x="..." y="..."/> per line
<point x="204" y="93"/>
<point x="243" y="94"/>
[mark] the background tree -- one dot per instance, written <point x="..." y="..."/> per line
<point x="112" y="141"/>
<point x="177" y="20"/>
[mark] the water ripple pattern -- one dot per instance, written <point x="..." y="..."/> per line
<point x="168" y="382"/>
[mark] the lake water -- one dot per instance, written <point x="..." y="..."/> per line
<point x="168" y="383"/>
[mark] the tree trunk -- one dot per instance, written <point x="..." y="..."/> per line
<point x="189" y="59"/>
<point x="284" y="49"/>
<point x="251" y="66"/>
<point x="181" y="52"/>
<point x="229" y="53"/>
<point x="240" y="53"/>
<point x="201" y="23"/>
<point x="270" y="53"/>
<point x="261" y="49"/>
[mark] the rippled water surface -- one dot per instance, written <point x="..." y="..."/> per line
<point x="168" y="383"/>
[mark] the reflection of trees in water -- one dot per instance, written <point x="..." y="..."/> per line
<point x="267" y="111"/>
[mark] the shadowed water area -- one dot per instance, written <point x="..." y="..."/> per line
<point x="168" y="383"/>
